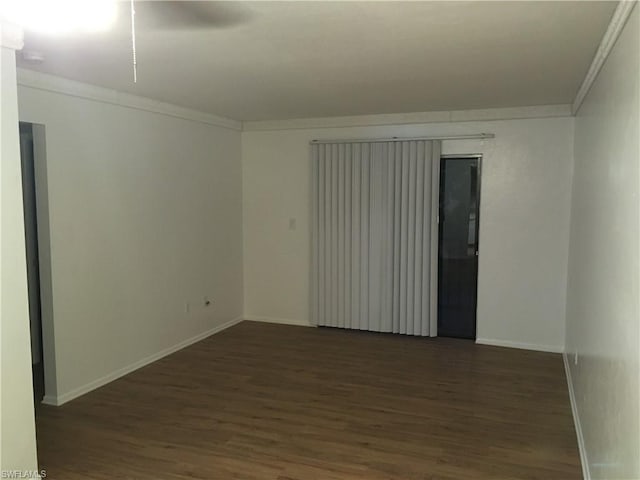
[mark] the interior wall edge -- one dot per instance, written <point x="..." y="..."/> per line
<point x="586" y="474"/>
<point x="603" y="326"/>
<point x="57" y="400"/>
<point x="52" y="83"/>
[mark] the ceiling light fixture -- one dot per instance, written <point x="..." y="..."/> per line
<point x="60" y="16"/>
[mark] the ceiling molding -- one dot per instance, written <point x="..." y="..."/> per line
<point x="51" y="83"/>
<point x="618" y="20"/>
<point x="11" y="35"/>
<point x="509" y="113"/>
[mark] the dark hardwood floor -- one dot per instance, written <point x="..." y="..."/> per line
<point x="261" y="401"/>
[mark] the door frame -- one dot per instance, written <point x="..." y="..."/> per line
<point x="44" y="257"/>
<point x="462" y="156"/>
<point x="30" y="215"/>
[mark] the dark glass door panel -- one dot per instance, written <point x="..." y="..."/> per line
<point x="458" y="246"/>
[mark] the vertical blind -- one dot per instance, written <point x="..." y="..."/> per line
<point x="374" y="223"/>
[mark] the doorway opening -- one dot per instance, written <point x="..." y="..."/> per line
<point x="458" y="227"/>
<point x="36" y="230"/>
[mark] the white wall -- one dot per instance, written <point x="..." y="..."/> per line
<point x="524" y="221"/>
<point x="603" y="311"/>
<point x="144" y="214"/>
<point x="17" y="428"/>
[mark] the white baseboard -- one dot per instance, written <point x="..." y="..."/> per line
<point x="283" y="321"/>
<point x="523" y="346"/>
<point x="76" y="392"/>
<point x="586" y="474"/>
<point x="50" y="400"/>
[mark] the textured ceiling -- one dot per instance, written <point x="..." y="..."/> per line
<point x="282" y="60"/>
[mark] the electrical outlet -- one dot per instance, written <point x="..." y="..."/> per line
<point x="186" y="307"/>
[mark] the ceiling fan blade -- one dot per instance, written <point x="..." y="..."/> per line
<point x="189" y="15"/>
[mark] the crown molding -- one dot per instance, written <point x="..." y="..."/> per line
<point x="617" y="23"/>
<point x="509" y="113"/>
<point x="11" y="35"/>
<point x="51" y="83"/>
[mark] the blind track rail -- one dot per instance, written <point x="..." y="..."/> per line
<point x="479" y="136"/>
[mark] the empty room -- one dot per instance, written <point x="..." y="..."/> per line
<point x="330" y="240"/>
